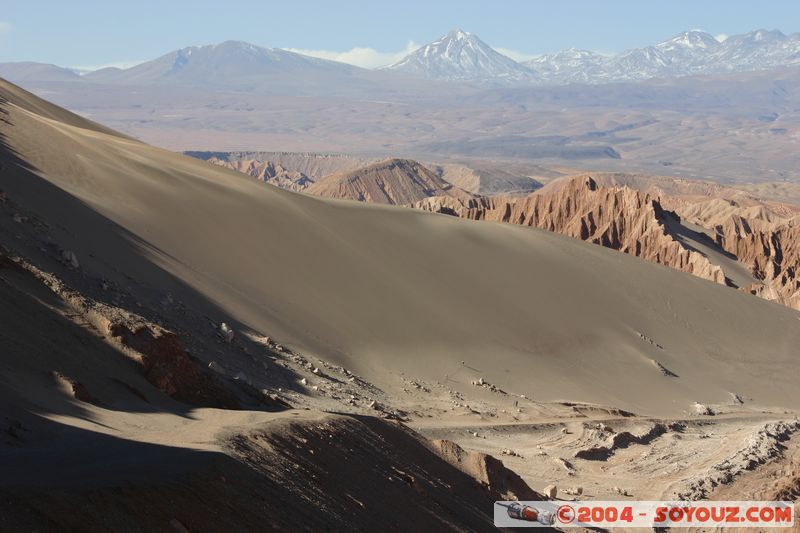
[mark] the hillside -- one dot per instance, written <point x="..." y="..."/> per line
<point x="176" y="338"/>
<point x="393" y="181"/>
<point x="352" y="259"/>
<point x="619" y="218"/>
<point x="714" y="232"/>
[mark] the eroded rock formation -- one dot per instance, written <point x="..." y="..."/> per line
<point x="764" y="237"/>
<point x="618" y="217"/>
<point x="770" y="250"/>
<point x="268" y="172"/>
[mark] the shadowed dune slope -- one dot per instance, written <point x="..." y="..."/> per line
<point x="384" y="289"/>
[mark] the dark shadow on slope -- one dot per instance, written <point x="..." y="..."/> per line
<point x="117" y="269"/>
<point x="80" y="459"/>
<point x="736" y="273"/>
<point x="58" y="477"/>
<point x="333" y="474"/>
<point x="687" y="236"/>
<point x="46" y="353"/>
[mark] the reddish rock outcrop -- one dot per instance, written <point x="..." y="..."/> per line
<point x="163" y="359"/>
<point x="168" y="367"/>
<point x="617" y="217"/>
<point x="394" y="181"/>
<point x="772" y="253"/>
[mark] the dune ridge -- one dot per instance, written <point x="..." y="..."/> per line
<point x="382" y="289"/>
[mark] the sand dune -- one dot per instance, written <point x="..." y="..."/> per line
<point x="388" y="290"/>
<point x="390" y="311"/>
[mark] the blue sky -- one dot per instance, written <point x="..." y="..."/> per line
<point x="96" y="33"/>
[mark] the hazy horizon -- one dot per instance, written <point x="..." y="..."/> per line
<point x="362" y="34"/>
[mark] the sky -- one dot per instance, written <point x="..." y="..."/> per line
<point x="92" y="34"/>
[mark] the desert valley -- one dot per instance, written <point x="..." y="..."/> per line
<point x="246" y="289"/>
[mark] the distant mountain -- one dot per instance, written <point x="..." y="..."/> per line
<point x="239" y="66"/>
<point x="689" y="53"/>
<point x="572" y="65"/>
<point x="462" y="56"/>
<point x="757" y="50"/>
<point x="27" y="71"/>
<point x="457" y="57"/>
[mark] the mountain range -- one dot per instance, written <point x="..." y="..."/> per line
<point x="463" y="56"/>
<point x="458" y="56"/>
<point x="690" y="53"/>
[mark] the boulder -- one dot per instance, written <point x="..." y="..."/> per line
<point x="551" y="491"/>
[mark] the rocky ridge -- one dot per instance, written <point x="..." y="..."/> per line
<point x="761" y="234"/>
<point x="268" y="172"/>
<point x="620" y="218"/>
<point x="771" y="251"/>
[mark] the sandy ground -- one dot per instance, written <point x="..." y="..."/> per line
<point x="493" y="336"/>
<point x="386" y="290"/>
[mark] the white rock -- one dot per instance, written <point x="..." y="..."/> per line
<point x="214" y="366"/>
<point x="702" y="409"/>
<point x="226" y="332"/>
<point x="551" y="491"/>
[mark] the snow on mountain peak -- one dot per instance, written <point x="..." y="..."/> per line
<point x="459" y="34"/>
<point x="461" y="55"/>
<point x="692" y="52"/>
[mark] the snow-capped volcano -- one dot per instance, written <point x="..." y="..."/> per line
<point x="460" y="55"/>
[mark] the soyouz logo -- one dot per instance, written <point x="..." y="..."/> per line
<point x="649" y="514"/>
